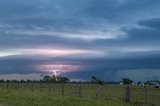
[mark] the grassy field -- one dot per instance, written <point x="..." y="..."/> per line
<point x="75" y="95"/>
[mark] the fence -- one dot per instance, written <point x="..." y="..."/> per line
<point x="135" y="95"/>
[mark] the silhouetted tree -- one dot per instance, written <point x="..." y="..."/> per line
<point x="46" y="78"/>
<point x="28" y="81"/>
<point x="15" y="81"/>
<point x="139" y="83"/>
<point x="96" y="80"/>
<point x="54" y="79"/>
<point x="127" y="81"/>
<point x="62" y="79"/>
<point x="1" y="81"/>
<point x="8" y="81"/>
<point x="21" y="81"/>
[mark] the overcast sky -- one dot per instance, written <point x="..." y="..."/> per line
<point x="110" y="39"/>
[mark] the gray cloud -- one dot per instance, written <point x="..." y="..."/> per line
<point x="147" y="35"/>
<point x="124" y="30"/>
<point x="153" y="23"/>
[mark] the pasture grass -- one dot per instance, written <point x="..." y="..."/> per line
<point x="51" y="95"/>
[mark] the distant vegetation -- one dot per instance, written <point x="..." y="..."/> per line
<point x="127" y="81"/>
<point x="55" y="79"/>
<point x="46" y="79"/>
<point x="93" y="80"/>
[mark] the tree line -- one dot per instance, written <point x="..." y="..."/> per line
<point x="62" y="79"/>
<point x="46" y="79"/>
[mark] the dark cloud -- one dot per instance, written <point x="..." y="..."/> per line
<point x="71" y="14"/>
<point x="113" y="69"/>
<point x="148" y="35"/>
<point x="100" y="67"/>
<point x="125" y="33"/>
<point x="153" y="23"/>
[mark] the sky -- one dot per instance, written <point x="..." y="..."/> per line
<point x="109" y="39"/>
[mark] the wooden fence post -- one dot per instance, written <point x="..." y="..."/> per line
<point x="41" y="88"/>
<point x="49" y="88"/>
<point x="127" y="94"/>
<point x="145" y="96"/>
<point x="79" y="91"/>
<point x="62" y="89"/>
<point x="100" y="92"/>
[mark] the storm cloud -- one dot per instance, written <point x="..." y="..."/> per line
<point x="101" y="36"/>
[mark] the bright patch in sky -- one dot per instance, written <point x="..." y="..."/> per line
<point x="88" y="35"/>
<point x="58" y="69"/>
<point x="48" y="52"/>
<point x="106" y="35"/>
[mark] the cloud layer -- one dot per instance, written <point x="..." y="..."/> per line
<point x="121" y="33"/>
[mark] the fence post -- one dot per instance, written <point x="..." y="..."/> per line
<point x="32" y="88"/>
<point x="145" y="96"/>
<point x="62" y="89"/>
<point x="127" y="94"/>
<point x="41" y="88"/>
<point x="100" y="92"/>
<point x="49" y="88"/>
<point x="7" y="87"/>
<point x="79" y="91"/>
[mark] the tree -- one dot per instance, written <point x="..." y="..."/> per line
<point x="127" y="81"/>
<point x="96" y="80"/>
<point x="21" y="81"/>
<point x="1" y="81"/>
<point x="62" y="79"/>
<point x="47" y="78"/>
<point x="8" y="81"/>
<point x="28" y="81"/>
<point x="139" y="83"/>
<point x="65" y="79"/>
<point x="54" y="79"/>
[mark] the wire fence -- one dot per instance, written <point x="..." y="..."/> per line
<point x="135" y="95"/>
